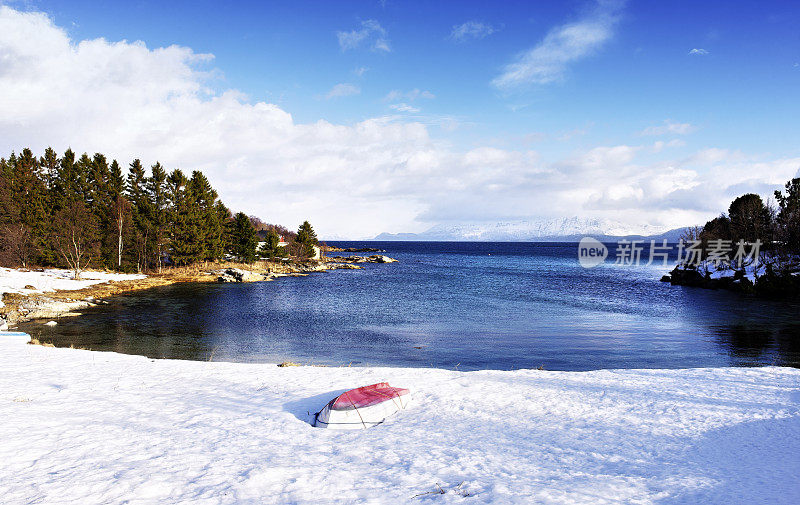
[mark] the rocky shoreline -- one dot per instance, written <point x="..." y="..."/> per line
<point x="20" y="307"/>
<point x="769" y="284"/>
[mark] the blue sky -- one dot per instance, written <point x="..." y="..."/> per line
<point x="743" y="93"/>
<point x="699" y="78"/>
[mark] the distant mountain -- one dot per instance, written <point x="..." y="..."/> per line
<point x="552" y="230"/>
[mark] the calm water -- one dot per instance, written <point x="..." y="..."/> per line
<point x="452" y="305"/>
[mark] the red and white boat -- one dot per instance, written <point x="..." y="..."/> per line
<point x="362" y="407"/>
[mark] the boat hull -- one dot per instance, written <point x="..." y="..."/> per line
<point x="362" y="407"/>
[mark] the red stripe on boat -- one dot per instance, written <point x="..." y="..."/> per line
<point x="366" y="396"/>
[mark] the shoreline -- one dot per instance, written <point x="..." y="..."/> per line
<point x="53" y="304"/>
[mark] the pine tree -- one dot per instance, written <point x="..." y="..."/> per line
<point x="306" y="239"/>
<point x="157" y="195"/>
<point x="51" y="167"/>
<point x="244" y="242"/>
<point x="101" y="203"/>
<point x="140" y="211"/>
<point x="30" y="196"/>
<point x="204" y="217"/>
<point x="176" y="216"/>
<point x="116" y="182"/>
<point x="271" y="247"/>
<point x="66" y="184"/>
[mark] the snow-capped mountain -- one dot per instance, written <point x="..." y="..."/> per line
<point x="528" y="231"/>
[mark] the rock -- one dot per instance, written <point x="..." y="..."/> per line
<point x="237" y="275"/>
<point x="31" y="287"/>
<point x="343" y="266"/>
<point x="377" y="258"/>
<point x="354" y="249"/>
<point x="666" y="278"/>
<point x="50" y="323"/>
<point x="687" y="277"/>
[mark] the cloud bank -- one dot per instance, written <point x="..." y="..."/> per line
<point x="356" y="180"/>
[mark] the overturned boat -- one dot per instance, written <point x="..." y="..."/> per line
<point x="362" y="407"/>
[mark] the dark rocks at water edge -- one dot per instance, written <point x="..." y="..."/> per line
<point x="330" y="263"/>
<point x="375" y="258"/>
<point x="769" y="284"/>
<point x="355" y="249"/>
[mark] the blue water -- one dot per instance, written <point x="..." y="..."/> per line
<point x="452" y="305"/>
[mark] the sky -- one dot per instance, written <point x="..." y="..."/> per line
<point x="387" y="116"/>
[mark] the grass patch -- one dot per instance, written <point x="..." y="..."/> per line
<point x="36" y="341"/>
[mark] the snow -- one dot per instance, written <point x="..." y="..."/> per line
<point x="751" y="271"/>
<point x="89" y="427"/>
<point x="525" y="230"/>
<point x="15" y="280"/>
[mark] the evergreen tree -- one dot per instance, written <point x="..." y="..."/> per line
<point x="101" y="203"/>
<point x="51" y="167"/>
<point x="244" y="241"/>
<point x="789" y="216"/>
<point x="157" y="195"/>
<point x="140" y="212"/>
<point x="204" y="218"/>
<point x="271" y="248"/>
<point x="29" y="196"/>
<point x="177" y="217"/>
<point x="306" y="239"/>
<point x="116" y="182"/>
<point x="66" y="185"/>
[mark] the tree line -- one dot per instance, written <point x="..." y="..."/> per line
<point x="78" y="211"/>
<point x="749" y="218"/>
<point x="771" y="228"/>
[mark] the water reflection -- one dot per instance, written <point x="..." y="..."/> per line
<point x="759" y="345"/>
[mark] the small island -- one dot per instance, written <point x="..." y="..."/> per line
<point x="753" y="249"/>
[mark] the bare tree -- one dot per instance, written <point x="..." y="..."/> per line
<point x="122" y="211"/>
<point x="691" y="234"/>
<point x="75" y="236"/>
<point x="17" y="244"/>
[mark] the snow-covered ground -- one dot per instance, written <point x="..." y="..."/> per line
<point x="16" y="280"/>
<point x="89" y="427"/>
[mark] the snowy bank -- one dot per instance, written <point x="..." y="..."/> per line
<point x="19" y="281"/>
<point x="91" y="427"/>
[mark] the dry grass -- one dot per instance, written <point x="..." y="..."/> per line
<point x="36" y="341"/>
<point x="288" y="363"/>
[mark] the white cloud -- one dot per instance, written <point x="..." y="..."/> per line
<point x="669" y="128"/>
<point x="698" y="52"/>
<point x="343" y="89"/>
<point x="360" y="71"/>
<point x="371" y="33"/>
<point x="562" y="45"/>
<point x="403" y="107"/>
<point x="471" y="30"/>
<point x="382" y="174"/>
<point x="410" y="96"/>
<point x="659" y="145"/>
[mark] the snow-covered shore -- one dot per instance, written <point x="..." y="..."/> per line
<point x="14" y="280"/>
<point x="90" y="427"/>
